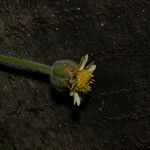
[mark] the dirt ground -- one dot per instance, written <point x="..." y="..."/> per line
<point x="116" y="114"/>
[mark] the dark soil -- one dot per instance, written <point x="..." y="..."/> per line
<point x="116" y="115"/>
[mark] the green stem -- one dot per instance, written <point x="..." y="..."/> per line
<point x="25" y="64"/>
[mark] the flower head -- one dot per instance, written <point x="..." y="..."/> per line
<point x="77" y="78"/>
<point x="83" y="79"/>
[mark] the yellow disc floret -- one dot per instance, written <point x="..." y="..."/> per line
<point x="83" y="81"/>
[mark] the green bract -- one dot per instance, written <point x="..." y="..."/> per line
<point x="62" y="73"/>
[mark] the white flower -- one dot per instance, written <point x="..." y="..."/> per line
<point x="83" y="79"/>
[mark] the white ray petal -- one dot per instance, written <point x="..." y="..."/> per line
<point x="92" y="63"/>
<point x="92" y="68"/>
<point x="77" y="99"/>
<point x="85" y="60"/>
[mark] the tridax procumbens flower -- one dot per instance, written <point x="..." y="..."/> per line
<point x="63" y="73"/>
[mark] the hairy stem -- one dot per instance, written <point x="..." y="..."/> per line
<point x="25" y="64"/>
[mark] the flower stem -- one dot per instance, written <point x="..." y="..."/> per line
<point x="25" y="64"/>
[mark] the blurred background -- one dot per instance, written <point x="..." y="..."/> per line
<point x="115" y="115"/>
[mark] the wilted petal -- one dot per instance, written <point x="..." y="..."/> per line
<point x="83" y="63"/>
<point x="71" y="93"/>
<point x="77" y="99"/>
<point x="92" y="68"/>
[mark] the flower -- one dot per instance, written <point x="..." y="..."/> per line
<point x="76" y="77"/>
<point x="83" y="79"/>
<point x="63" y="74"/>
